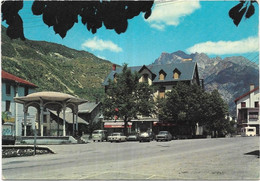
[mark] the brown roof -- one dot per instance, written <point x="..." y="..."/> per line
<point x="8" y="76"/>
<point x="244" y="95"/>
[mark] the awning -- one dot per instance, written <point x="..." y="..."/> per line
<point x="163" y="124"/>
<point x="144" y="120"/>
<point x="116" y="125"/>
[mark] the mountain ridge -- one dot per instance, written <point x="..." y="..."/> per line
<point x="55" y="67"/>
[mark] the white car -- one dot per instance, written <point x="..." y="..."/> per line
<point x="116" y="137"/>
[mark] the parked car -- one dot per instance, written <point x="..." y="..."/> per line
<point x="99" y="135"/>
<point x="146" y="136"/>
<point x="116" y="137"/>
<point x="133" y="137"/>
<point x="164" y="135"/>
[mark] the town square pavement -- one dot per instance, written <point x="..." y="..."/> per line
<point x="233" y="158"/>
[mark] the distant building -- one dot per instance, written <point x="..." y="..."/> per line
<point x="164" y="77"/>
<point x="88" y="115"/>
<point x="13" y="86"/>
<point x="247" y="107"/>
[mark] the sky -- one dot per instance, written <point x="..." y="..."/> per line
<point x="190" y="26"/>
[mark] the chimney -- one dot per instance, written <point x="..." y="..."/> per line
<point x="114" y="67"/>
<point x="252" y="86"/>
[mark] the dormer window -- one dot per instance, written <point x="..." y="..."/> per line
<point x="145" y="78"/>
<point x="176" y="74"/>
<point x="162" y="75"/>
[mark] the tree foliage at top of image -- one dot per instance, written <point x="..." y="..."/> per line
<point x="126" y="98"/>
<point x="244" y="8"/>
<point x="63" y="14"/>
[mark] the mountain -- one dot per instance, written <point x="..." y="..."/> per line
<point x="231" y="76"/>
<point x="54" y="67"/>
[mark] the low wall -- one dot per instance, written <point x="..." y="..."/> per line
<point x="45" y="140"/>
<point x="23" y="150"/>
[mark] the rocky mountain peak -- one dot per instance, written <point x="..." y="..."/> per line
<point x="230" y="75"/>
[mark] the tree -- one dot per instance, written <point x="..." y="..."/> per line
<point x="63" y="14"/>
<point x="112" y="14"/>
<point x="215" y="120"/>
<point x="182" y="106"/>
<point x="126" y="97"/>
<point x="187" y="105"/>
<point x="5" y="117"/>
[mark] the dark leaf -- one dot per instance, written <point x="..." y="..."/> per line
<point x="148" y="14"/>
<point x="239" y="16"/>
<point x="250" y="11"/>
<point x="235" y="10"/>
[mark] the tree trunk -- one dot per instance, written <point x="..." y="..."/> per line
<point x="125" y="126"/>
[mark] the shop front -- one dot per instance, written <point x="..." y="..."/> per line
<point x="143" y="125"/>
<point x="116" y="126"/>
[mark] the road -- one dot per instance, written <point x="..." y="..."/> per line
<point x="200" y="159"/>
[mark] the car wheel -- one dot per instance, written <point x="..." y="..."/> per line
<point x="94" y="140"/>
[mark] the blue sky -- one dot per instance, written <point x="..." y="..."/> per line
<point x="190" y="26"/>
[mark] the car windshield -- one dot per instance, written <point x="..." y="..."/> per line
<point x="97" y="131"/>
<point x="132" y="134"/>
<point x="116" y="134"/>
<point x="163" y="132"/>
<point x="144" y="134"/>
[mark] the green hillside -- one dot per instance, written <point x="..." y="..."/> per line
<point x="53" y="67"/>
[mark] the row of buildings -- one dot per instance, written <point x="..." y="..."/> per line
<point x="58" y="114"/>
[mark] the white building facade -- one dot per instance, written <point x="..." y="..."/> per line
<point x="247" y="109"/>
<point x="13" y="86"/>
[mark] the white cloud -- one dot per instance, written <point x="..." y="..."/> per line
<point x="101" y="57"/>
<point x="226" y="47"/>
<point x="170" y="12"/>
<point x="158" y="26"/>
<point x="98" y="44"/>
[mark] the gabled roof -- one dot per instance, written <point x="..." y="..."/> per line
<point x="87" y="107"/>
<point x="186" y="69"/>
<point x="244" y="95"/>
<point x="11" y="77"/>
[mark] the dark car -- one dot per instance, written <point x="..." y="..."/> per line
<point x="133" y="137"/>
<point x="164" y="136"/>
<point x="146" y="136"/>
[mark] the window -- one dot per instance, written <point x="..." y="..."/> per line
<point x="145" y="78"/>
<point x="256" y="104"/>
<point x="176" y="74"/>
<point x="7" y="106"/>
<point x="162" y="75"/>
<point x="26" y="91"/>
<point x="115" y="78"/>
<point x="253" y="115"/>
<point x="243" y="104"/>
<point x="162" y="92"/>
<point x="8" y="89"/>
